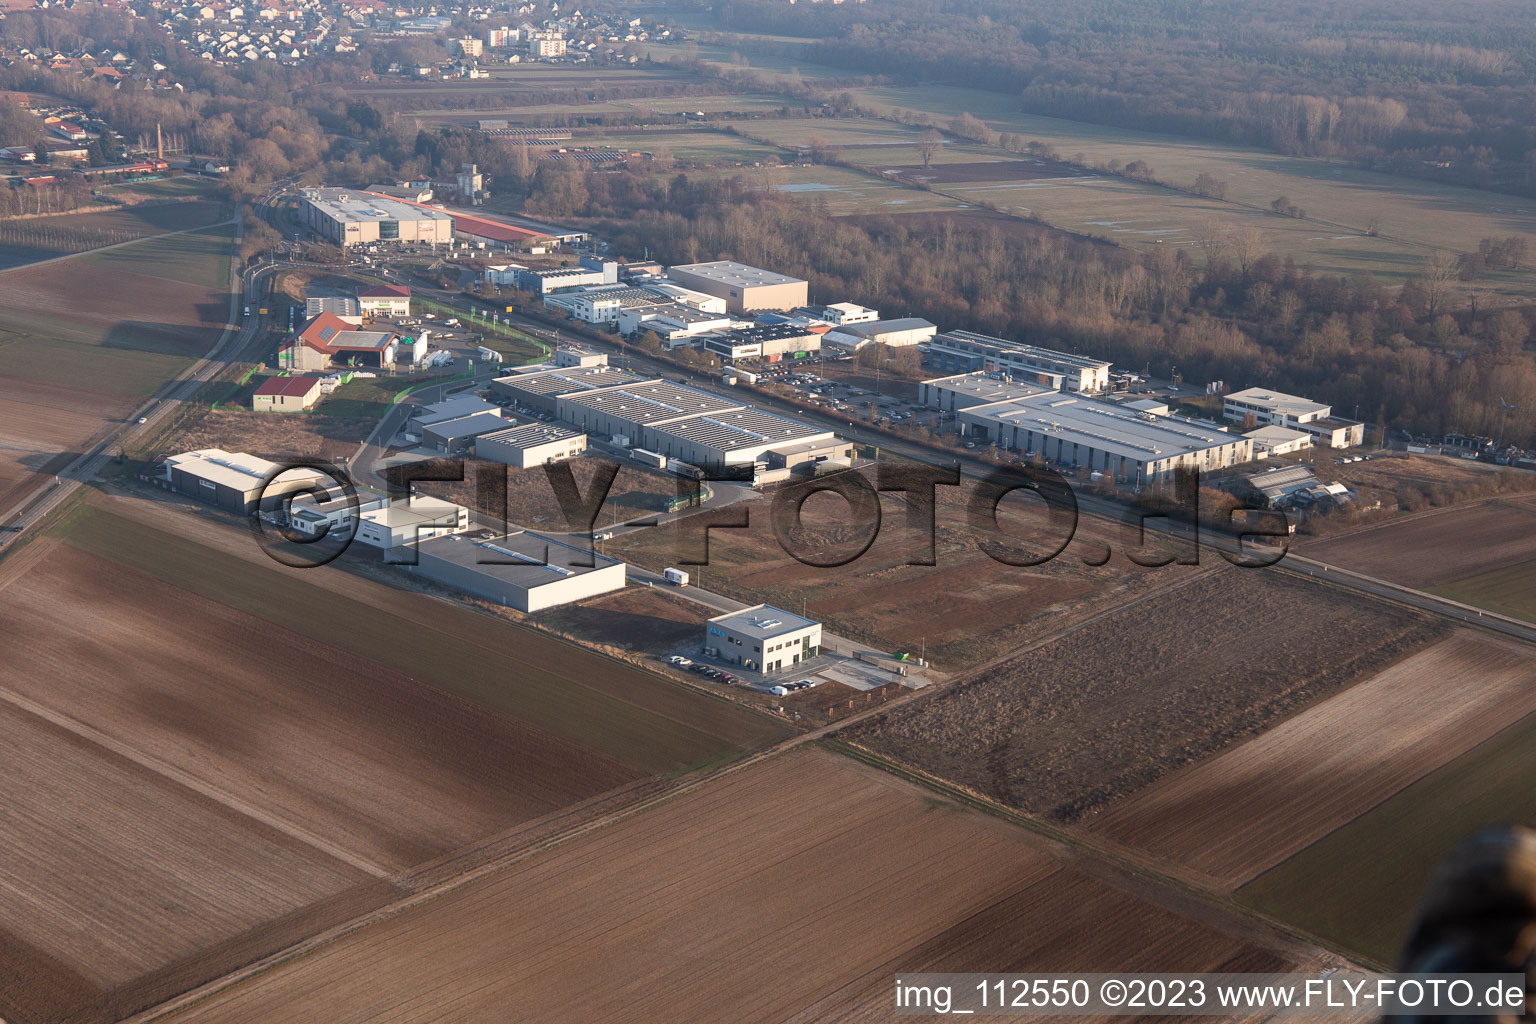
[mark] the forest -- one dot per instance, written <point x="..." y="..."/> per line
<point x="1360" y="80"/>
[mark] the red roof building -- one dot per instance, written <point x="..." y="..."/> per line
<point x="286" y="394"/>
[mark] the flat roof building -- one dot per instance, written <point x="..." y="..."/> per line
<point x="963" y="390"/>
<point x="898" y="333"/>
<point x="965" y="351"/>
<point x="1273" y="440"/>
<point x="742" y="287"/>
<point x="341" y="306"/>
<point x="408" y="522"/>
<point x="1072" y="431"/>
<point x="459" y="434"/>
<point x="237" y="482"/>
<point x="526" y="571"/>
<point x="347" y="218"/>
<point x="769" y="342"/>
<point x="532" y="444"/>
<point x="540" y="390"/>
<point x="671" y="321"/>
<point x="762" y="639"/>
<point x="1282" y="410"/>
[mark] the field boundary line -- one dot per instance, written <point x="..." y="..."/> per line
<point x="189" y="781"/>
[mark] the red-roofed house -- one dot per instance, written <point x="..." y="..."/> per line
<point x="327" y="338"/>
<point x="384" y="300"/>
<point x="286" y="394"/>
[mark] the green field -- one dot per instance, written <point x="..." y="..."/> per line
<point x="196" y="257"/>
<point x="607" y="705"/>
<point x="1359" y="886"/>
<point x="183" y="186"/>
<point x="699" y="147"/>
<point x="32" y="348"/>
<point x="1507" y="591"/>
<point x="846" y="191"/>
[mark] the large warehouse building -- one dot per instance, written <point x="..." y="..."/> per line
<point x="696" y="427"/>
<point x="540" y="390"/>
<point x="1074" y="431"/>
<point x="237" y="482"/>
<point x="532" y="444"/>
<point x="526" y="571"/>
<point x="963" y="390"/>
<point x="346" y="218"/>
<point x="744" y="289"/>
<point x="965" y="351"/>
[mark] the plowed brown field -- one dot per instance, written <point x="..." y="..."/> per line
<point x="190" y="787"/>
<point x="1437" y="548"/>
<point x="792" y="891"/>
<point x="1247" y="810"/>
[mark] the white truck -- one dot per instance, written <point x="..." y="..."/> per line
<point x="654" y="459"/>
<point x="675" y="576"/>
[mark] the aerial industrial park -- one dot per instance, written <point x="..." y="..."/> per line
<point x="768" y="511"/>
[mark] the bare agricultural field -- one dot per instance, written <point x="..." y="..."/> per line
<point x="960" y="611"/>
<point x="209" y="759"/>
<point x="1439" y="547"/>
<point x="1246" y="810"/>
<point x="1359" y="885"/>
<point x="1066" y="728"/>
<point x="79" y="347"/>
<point x="793" y="890"/>
<point x="944" y="173"/>
<point x="114" y="872"/>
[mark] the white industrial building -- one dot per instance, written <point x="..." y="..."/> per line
<point x="346" y="218"/>
<point x="408" y="522"/>
<point x="899" y="333"/>
<point x="762" y="639"/>
<point x="1282" y="410"/>
<point x="839" y="314"/>
<point x="673" y="322"/>
<point x="1073" y="431"/>
<point x="532" y="444"/>
<point x="965" y="351"/>
<point x="451" y="409"/>
<point x="526" y="571"/>
<point x="1273" y="440"/>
